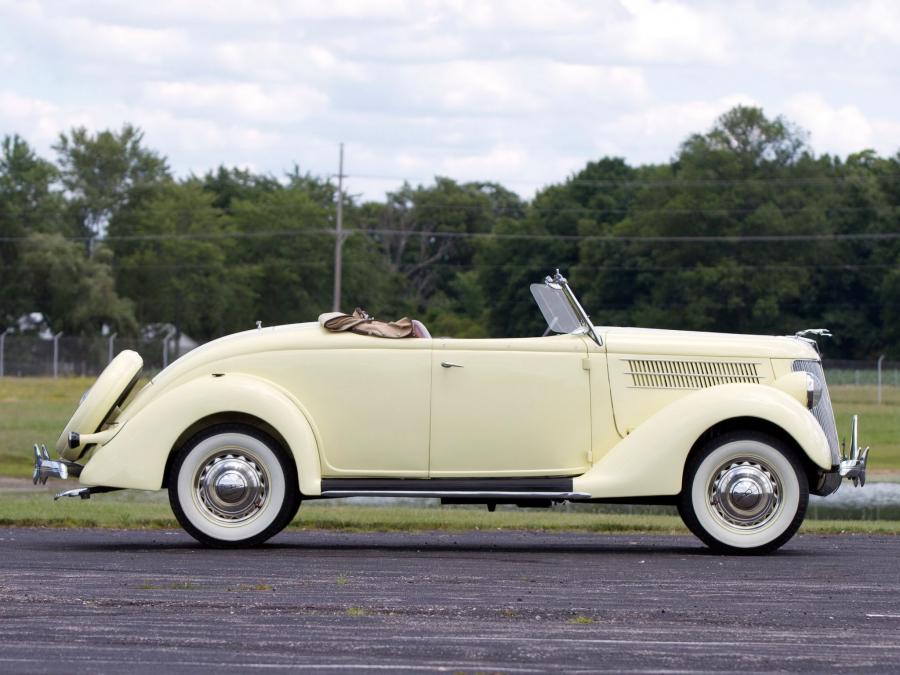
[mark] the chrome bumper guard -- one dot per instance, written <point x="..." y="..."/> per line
<point x="45" y="468"/>
<point x="854" y="467"/>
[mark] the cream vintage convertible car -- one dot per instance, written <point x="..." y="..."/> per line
<point x="735" y="430"/>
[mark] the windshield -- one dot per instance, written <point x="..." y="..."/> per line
<point x="556" y="308"/>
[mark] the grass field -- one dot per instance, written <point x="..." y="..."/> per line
<point x="35" y="409"/>
<point x="151" y="511"/>
<point x="879" y="425"/>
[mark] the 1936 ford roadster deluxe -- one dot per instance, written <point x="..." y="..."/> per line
<point x="734" y="430"/>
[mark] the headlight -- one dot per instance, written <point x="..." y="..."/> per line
<point x="814" y="391"/>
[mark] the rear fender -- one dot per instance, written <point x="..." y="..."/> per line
<point x="650" y="460"/>
<point x="137" y="455"/>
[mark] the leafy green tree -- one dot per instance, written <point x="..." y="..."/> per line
<point x="231" y="184"/>
<point x="76" y="295"/>
<point x="105" y="174"/>
<point x="29" y="203"/>
<point x="729" y="182"/>
<point x="527" y="249"/>
<point x="286" y="242"/>
<point x="177" y="263"/>
<point x="425" y="232"/>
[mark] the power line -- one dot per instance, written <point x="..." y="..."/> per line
<point x="724" y="238"/>
<point x="664" y="182"/>
<point x="226" y="266"/>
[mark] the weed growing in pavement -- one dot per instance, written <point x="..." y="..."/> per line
<point x="253" y="587"/>
<point x="174" y="586"/>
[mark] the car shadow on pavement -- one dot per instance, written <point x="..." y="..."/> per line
<point x="419" y="546"/>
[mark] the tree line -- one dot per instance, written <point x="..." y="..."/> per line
<point x="745" y="230"/>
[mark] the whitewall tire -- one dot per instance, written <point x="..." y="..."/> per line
<point x="232" y="486"/>
<point x="744" y="492"/>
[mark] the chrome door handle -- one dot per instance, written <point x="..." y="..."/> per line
<point x="447" y="364"/>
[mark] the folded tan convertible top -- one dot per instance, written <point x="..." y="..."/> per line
<point x="361" y="322"/>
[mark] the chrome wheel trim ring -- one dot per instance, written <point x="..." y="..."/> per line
<point x="232" y="486"/>
<point x="744" y="493"/>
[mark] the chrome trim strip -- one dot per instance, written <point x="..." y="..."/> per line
<point x="666" y="373"/>
<point x="468" y="494"/>
<point x="84" y="493"/>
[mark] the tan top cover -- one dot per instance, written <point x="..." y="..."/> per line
<point x="361" y="322"/>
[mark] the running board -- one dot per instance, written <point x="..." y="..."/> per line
<point x="445" y="488"/>
<point x="431" y="494"/>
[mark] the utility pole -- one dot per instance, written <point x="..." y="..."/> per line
<point x="339" y="234"/>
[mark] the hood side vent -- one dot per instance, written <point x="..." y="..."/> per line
<point x="665" y="374"/>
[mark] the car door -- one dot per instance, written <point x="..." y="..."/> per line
<point x="367" y="399"/>
<point x="510" y="407"/>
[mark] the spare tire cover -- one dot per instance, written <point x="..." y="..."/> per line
<point x="111" y="389"/>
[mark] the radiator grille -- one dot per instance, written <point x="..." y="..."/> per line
<point x="660" y="374"/>
<point x="823" y="412"/>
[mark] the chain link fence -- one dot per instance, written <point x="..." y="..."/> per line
<point x="67" y="356"/>
<point x="862" y="373"/>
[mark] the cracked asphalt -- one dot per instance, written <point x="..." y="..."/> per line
<point x="487" y="601"/>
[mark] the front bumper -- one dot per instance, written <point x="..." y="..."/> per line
<point x="854" y="466"/>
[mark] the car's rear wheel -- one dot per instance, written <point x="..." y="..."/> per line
<point x="744" y="492"/>
<point x="233" y="486"/>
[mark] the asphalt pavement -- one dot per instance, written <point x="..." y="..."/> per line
<point x="488" y="601"/>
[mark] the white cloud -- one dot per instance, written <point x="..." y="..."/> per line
<point x="520" y="87"/>
<point x="284" y="61"/>
<point x="521" y="91"/>
<point x="653" y="133"/>
<point x="854" y="24"/>
<point x="837" y="129"/>
<point x="502" y="160"/>
<point x="245" y="100"/>
<point x="530" y="15"/>
<point x="673" y="32"/>
<point x="34" y="119"/>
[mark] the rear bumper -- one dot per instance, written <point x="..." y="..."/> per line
<point x="46" y="468"/>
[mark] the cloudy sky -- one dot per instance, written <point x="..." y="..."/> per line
<point x="519" y="91"/>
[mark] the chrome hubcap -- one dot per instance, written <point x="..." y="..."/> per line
<point x="232" y="486"/>
<point x="744" y="493"/>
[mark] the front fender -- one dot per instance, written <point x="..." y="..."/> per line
<point x="650" y="460"/>
<point x="136" y="456"/>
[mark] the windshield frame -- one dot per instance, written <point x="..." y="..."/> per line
<point x="560" y="285"/>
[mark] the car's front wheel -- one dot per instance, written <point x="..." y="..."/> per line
<point x="744" y="492"/>
<point x="232" y="486"/>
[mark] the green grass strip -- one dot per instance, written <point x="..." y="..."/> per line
<point x="137" y="510"/>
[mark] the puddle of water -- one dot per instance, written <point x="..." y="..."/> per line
<point x="875" y="501"/>
<point x="873" y="494"/>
